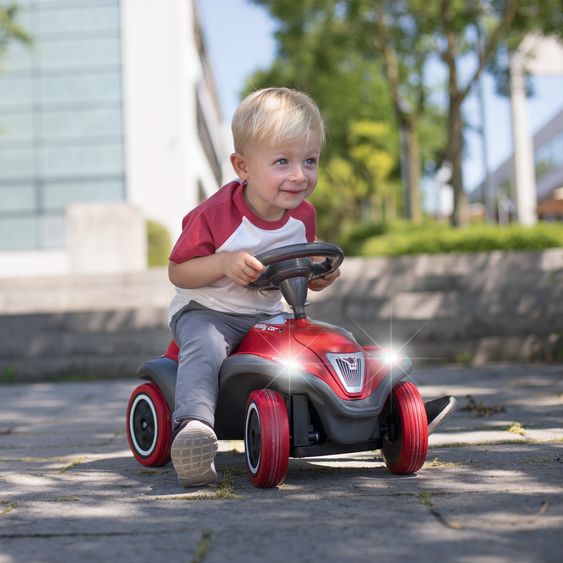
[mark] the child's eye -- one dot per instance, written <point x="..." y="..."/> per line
<point x="282" y="161"/>
<point x="311" y="162"/>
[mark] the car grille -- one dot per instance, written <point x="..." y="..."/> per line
<point x="350" y="370"/>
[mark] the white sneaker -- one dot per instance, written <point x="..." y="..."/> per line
<point x="193" y="453"/>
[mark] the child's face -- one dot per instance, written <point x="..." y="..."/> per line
<point x="278" y="178"/>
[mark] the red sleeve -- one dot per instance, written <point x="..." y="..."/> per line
<point x="307" y="214"/>
<point x="311" y="229"/>
<point x="196" y="238"/>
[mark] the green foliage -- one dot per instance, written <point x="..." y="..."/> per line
<point x="325" y="50"/>
<point x="8" y="375"/>
<point x="432" y="238"/>
<point x="356" y="236"/>
<point x="159" y="244"/>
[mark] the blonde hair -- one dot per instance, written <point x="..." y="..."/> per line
<point x="274" y="116"/>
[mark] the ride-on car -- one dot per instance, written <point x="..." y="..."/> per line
<point x="293" y="387"/>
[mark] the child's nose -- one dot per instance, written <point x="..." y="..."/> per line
<point x="297" y="173"/>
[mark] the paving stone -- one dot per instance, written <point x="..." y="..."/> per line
<point x="491" y="489"/>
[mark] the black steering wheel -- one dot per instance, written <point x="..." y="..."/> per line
<point x="295" y="260"/>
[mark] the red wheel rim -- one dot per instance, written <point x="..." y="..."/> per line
<point x="266" y="438"/>
<point x="149" y="425"/>
<point x="405" y="445"/>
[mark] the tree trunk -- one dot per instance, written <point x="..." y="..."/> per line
<point x="454" y="155"/>
<point x="410" y="171"/>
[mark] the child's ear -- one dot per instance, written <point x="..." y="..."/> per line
<point x="239" y="165"/>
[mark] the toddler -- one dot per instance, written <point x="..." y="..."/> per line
<point x="278" y="134"/>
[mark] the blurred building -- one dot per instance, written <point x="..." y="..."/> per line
<point x="109" y="119"/>
<point x="548" y="158"/>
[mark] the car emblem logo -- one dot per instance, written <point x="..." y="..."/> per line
<point x="352" y="362"/>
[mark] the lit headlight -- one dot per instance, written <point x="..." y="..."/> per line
<point x="288" y="363"/>
<point x="390" y="357"/>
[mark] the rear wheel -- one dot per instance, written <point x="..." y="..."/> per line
<point x="405" y="444"/>
<point x="149" y="425"/>
<point x="266" y="438"/>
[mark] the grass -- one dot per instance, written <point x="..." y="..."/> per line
<point x="149" y="472"/>
<point x="425" y="498"/>
<point x="203" y="546"/>
<point x="72" y="465"/>
<point x="226" y="488"/>
<point x="438" y="463"/>
<point x="8" y="375"/>
<point x="516" y="428"/>
<point x="8" y="507"/>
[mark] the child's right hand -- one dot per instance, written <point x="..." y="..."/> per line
<point x="241" y="267"/>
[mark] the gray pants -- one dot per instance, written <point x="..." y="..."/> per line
<point x="205" y="338"/>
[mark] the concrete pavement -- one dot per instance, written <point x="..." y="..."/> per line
<point x="491" y="490"/>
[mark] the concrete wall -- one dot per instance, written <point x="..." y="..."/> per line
<point x="478" y="307"/>
<point x="106" y="238"/>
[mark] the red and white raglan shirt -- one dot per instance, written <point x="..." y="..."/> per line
<point x="225" y="222"/>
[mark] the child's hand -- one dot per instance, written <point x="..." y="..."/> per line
<point x="241" y="267"/>
<point x="320" y="283"/>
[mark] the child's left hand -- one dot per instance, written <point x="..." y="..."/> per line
<point x="325" y="281"/>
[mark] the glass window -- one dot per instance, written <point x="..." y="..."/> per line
<point x="15" y="91"/>
<point x="79" y="20"/>
<point x="60" y="118"/>
<point x="16" y="128"/>
<point x="81" y="161"/>
<point x="52" y="231"/>
<point x="14" y="198"/>
<point x="18" y="57"/>
<point x="57" y="195"/>
<point x="61" y="89"/>
<point x="16" y="163"/>
<point x="48" y="4"/>
<point x="558" y="150"/>
<point x="18" y="233"/>
<point x="81" y="124"/>
<point x="21" y="3"/>
<point x="78" y="53"/>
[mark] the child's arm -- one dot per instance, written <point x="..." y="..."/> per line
<point x="240" y="267"/>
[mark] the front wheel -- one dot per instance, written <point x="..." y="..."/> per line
<point x="149" y="426"/>
<point x="266" y="438"/>
<point x="405" y="444"/>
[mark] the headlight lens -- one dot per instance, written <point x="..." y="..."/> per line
<point x="390" y="357"/>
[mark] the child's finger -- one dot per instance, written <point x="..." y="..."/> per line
<point x="254" y="263"/>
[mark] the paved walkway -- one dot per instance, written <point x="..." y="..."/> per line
<point x="492" y="488"/>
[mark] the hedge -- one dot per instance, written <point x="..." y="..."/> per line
<point x="159" y="244"/>
<point x="433" y="238"/>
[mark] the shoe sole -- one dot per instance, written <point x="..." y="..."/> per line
<point x="192" y="457"/>
<point x="439" y="420"/>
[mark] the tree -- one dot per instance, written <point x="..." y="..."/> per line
<point x="408" y="34"/>
<point x="325" y="39"/>
<point x="454" y="22"/>
<point x="401" y="38"/>
<point x="318" y="57"/>
<point x="396" y="34"/>
<point x="484" y="27"/>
